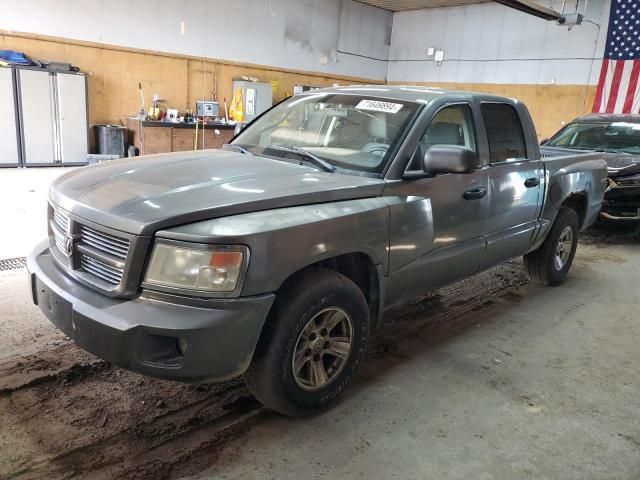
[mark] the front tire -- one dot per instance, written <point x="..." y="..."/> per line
<point x="315" y="340"/>
<point x="550" y="263"/>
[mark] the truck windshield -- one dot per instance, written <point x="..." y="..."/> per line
<point x="606" y="137"/>
<point x="351" y="132"/>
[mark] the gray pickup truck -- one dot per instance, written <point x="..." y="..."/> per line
<point x="276" y="256"/>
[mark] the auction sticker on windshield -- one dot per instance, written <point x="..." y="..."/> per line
<point x="378" y="106"/>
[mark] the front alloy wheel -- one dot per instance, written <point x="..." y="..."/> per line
<point x="322" y="349"/>
<point x="315" y="338"/>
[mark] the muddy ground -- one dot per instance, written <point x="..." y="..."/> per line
<point x="67" y="414"/>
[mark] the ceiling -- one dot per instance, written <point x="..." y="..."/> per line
<point x="400" y="5"/>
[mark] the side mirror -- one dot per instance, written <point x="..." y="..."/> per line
<point x="449" y="159"/>
<point x="239" y="127"/>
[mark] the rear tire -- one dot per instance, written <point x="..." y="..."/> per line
<point x="550" y="263"/>
<point x="315" y="340"/>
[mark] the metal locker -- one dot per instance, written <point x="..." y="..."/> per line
<point x="9" y="133"/>
<point x="38" y="117"/>
<point x="52" y="117"/>
<point x="72" y="117"/>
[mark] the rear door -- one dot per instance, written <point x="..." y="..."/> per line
<point x="515" y="179"/>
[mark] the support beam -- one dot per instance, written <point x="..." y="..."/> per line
<point x="533" y="8"/>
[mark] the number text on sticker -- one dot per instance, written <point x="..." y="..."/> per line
<point x="378" y="106"/>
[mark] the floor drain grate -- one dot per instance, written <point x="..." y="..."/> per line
<point x="13" y="263"/>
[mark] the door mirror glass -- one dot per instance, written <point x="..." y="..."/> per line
<point x="449" y="159"/>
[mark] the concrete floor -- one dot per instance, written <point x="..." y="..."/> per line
<point x="490" y="378"/>
<point x="545" y="387"/>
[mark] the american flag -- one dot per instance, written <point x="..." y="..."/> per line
<point x="618" y="87"/>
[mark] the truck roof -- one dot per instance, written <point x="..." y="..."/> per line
<point x="608" y="118"/>
<point x="410" y="93"/>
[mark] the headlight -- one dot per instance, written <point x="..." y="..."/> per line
<point x="199" y="268"/>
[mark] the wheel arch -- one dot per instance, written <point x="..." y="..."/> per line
<point x="360" y="268"/>
<point x="579" y="202"/>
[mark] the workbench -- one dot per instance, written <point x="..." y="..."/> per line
<point x="160" y="137"/>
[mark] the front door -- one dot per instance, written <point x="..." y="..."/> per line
<point x="515" y="186"/>
<point x="437" y="223"/>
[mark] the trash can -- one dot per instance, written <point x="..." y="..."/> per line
<point x="111" y="140"/>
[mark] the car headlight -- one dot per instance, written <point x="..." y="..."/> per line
<point x="196" y="268"/>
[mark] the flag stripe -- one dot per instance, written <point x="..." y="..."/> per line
<point x="597" y="102"/>
<point x="632" y="89"/>
<point x="615" y="86"/>
<point x="607" y="85"/>
<point x="623" y="91"/>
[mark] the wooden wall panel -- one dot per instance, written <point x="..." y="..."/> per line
<point x="114" y="74"/>
<point x="551" y="106"/>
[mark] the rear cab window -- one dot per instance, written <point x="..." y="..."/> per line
<point x="504" y="132"/>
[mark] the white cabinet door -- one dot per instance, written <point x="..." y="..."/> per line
<point x="72" y="111"/>
<point x="8" y="128"/>
<point x="38" y="116"/>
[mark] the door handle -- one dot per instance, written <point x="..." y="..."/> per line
<point x="532" y="182"/>
<point x="474" y="193"/>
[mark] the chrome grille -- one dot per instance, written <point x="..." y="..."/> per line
<point x="61" y="220"/>
<point x="59" y="240"/>
<point x="103" y="242"/>
<point x="107" y="273"/>
<point x="93" y="255"/>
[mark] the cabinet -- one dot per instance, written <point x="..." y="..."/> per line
<point x="53" y="117"/>
<point x="160" y="137"/>
<point x="156" y="140"/>
<point x="181" y="139"/>
<point x="10" y="144"/>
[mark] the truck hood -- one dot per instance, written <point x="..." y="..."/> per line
<point x="144" y="194"/>
<point x="621" y="165"/>
<point x="618" y="164"/>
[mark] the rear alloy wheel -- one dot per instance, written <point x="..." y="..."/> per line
<point x="315" y="338"/>
<point x="564" y="248"/>
<point x="550" y="263"/>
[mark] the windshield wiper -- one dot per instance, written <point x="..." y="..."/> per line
<point x="237" y="148"/>
<point x="311" y="158"/>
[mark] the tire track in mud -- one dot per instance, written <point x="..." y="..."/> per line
<point x="156" y="445"/>
<point x="66" y="414"/>
<point x="451" y="307"/>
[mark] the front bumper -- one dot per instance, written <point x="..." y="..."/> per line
<point x="621" y="202"/>
<point x="211" y="341"/>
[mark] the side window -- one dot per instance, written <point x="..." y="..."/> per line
<point x="504" y="132"/>
<point x="450" y="126"/>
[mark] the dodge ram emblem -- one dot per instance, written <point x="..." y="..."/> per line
<point x="68" y="245"/>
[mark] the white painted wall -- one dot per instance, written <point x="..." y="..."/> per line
<point x="486" y="43"/>
<point x="293" y="34"/>
<point x="490" y="43"/>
